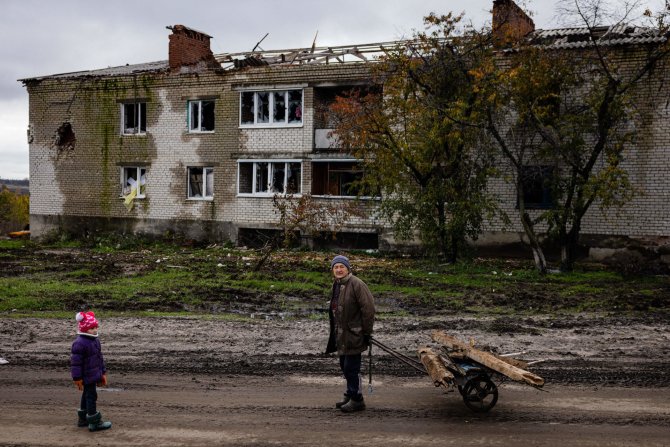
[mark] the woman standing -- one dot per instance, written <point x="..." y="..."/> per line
<point x="352" y="315"/>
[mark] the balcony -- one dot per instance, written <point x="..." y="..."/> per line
<point x="325" y="139"/>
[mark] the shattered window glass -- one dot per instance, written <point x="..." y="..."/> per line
<point x="131" y="184"/>
<point x="195" y="182"/>
<point x="245" y="178"/>
<point x="247" y="108"/>
<point x="279" y="107"/>
<point x="201" y="116"/>
<point x="278" y="173"/>
<point x="269" y="177"/>
<point x="199" y="180"/>
<point x="338" y="178"/>
<point x="262" y="177"/>
<point x="295" y="106"/>
<point x="271" y="108"/>
<point x="134" y="118"/>
<point x="293" y="180"/>
<point x="263" y="107"/>
<point x="209" y="182"/>
<point x="194" y="116"/>
<point x="207" y="116"/>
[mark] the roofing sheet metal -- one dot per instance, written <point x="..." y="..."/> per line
<point x="561" y="38"/>
<point x="566" y="38"/>
<point x="109" y="71"/>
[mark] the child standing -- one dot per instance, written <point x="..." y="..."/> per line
<point x="88" y="370"/>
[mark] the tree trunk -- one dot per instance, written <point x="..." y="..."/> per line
<point x="533" y="241"/>
<point x="568" y="245"/>
<point x="445" y="241"/>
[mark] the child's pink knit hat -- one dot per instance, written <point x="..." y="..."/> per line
<point x="86" y="321"/>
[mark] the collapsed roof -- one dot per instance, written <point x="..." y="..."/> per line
<point x="564" y="38"/>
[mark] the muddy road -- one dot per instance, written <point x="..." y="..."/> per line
<point x="199" y="381"/>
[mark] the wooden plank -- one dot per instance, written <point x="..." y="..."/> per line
<point x="487" y="359"/>
<point x="436" y="369"/>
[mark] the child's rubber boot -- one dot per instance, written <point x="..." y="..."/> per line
<point x="95" y="422"/>
<point x="82" y="422"/>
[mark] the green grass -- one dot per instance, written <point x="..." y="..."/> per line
<point x="581" y="289"/>
<point x="219" y="279"/>
<point x="81" y="273"/>
<point x="13" y="244"/>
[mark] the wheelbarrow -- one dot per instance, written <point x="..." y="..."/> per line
<point x="469" y="370"/>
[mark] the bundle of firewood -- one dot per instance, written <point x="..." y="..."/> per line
<point x="444" y="366"/>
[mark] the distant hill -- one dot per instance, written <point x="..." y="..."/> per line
<point x="20" y="186"/>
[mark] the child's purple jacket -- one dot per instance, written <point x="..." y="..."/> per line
<point x="87" y="362"/>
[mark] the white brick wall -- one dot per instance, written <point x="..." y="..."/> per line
<point x="86" y="181"/>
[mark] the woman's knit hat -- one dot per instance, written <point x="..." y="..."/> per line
<point x="339" y="259"/>
<point x="86" y="321"/>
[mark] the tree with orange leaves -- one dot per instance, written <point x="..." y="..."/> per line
<point x="420" y="136"/>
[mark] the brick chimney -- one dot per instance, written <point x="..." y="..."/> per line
<point x="189" y="47"/>
<point x="510" y="23"/>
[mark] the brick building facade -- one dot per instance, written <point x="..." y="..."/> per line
<point x="204" y="148"/>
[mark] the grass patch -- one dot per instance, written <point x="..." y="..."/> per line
<point x="12" y="244"/>
<point x="124" y="275"/>
<point x="581" y="289"/>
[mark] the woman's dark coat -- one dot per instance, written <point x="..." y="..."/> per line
<point x="353" y="318"/>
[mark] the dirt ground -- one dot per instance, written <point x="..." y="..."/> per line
<point x="194" y="381"/>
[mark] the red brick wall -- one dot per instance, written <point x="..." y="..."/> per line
<point x="188" y="47"/>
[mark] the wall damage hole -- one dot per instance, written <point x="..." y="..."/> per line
<point x="65" y="138"/>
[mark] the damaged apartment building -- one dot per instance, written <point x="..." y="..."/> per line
<point x="199" y="144"/>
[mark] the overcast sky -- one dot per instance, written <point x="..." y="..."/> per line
<point x="42" y="37"/>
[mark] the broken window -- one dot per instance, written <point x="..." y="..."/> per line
<point x="269" y="177"/>
<point x="263" y="107"/>
<point x="277" y="108"/>
<point x="247" y="108"/>
<point x="131" y="178"/>
<point x="201" y="116"/>
<point x="537" y="186"/>
<point x="133" y="184"/>
<point x="338" y="178"/>
<point x="200" y="183"/>
<point x="134" y="118"/>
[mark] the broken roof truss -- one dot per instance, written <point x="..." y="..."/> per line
<point x="314" y="55"/>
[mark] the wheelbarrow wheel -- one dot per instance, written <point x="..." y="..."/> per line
<point x="480" y="394"/>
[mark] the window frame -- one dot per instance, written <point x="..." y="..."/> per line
<point x="124" y="180"/>
<point x="200" y="111"/>
<point x="546" y="175"/>
<point x="338" y="160"/>
<point x="140" y="111"/>
<point x="205" y="171"/>
<point x="254" y="176"/>
<point x="271" y="93"/>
